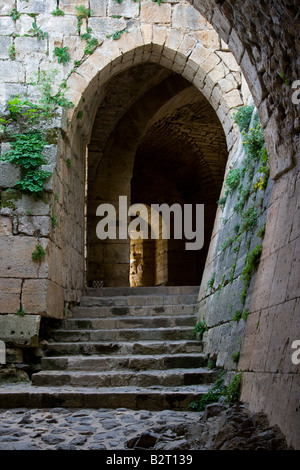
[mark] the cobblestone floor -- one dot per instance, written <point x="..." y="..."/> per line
<point x="85" y="429"/>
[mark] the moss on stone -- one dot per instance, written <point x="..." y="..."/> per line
<point x="52" y="136"/>
<point x="9" y="198"/>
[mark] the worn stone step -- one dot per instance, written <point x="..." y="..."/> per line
<point x="104" y="348"/>
<point x="154" y="398"/>
<point x="136" y="311"/>
<point x="131" y="362"/>
<point x="121" y="378"/>
<point x="129" y="322"/>
<point x="129" y="291"/>
<point x="175" y="333"/>
<point x="139" y="300"/>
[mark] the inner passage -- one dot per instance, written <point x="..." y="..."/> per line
<point x="156" y="140"/>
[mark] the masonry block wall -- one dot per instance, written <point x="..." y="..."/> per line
<point x="208" y="52"/>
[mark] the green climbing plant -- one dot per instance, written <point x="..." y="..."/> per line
<point x="62" y="54"/>
<point x="26" y="152"/>
<point x="218" y="390"/>
<point x="39" y="253"/>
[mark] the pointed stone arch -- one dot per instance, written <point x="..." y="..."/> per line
<point x="213" y="72"/>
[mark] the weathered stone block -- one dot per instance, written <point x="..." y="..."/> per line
<point x="186" y="16"/>
<point x="10" y="290"/>
<point x="20" y="330"/>
<point x="6" y="6"/>
<point x="63" y="25"/>
<point x="11" y="71"/>
<point x="151" y="13"/>
<point x="7" y="26"/>
<point x="125" y="9"/>
<point x="98" y="7"/>
<point x="5" y="43"/>
<point x="229" y="61"/>
<point x="278" y="284"/>
<point x="36" y="6"/>
<point x="10" y="174"/>
<point x="24" y="24"/>
<point x="37" y="226"/>
<point x="28" y="45"/>
<point x="68" y="6"/>
<point x="16" y="260"/>
<point x="103" y="27"/>
<point x="5" y="226"/>
<point x="27" y="205"/>
<point x="209" y="38"/>
<point x="43" y="297"/>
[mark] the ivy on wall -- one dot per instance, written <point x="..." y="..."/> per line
<point x="241" y="181"/>
<point x="26" y="148"/>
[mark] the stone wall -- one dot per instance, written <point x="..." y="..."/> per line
<point x="29" y="34"/>
<point x="262" y="38"/>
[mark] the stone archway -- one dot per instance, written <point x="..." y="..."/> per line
<point x="218" y="80"/>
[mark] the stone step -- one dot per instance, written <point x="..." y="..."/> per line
<point x="144" y="347"/>
<point x="152" y="399"/>
<point x="121" y="378"/>
<point x="116" y="311"/>
<point x="138" y="300"/>
<point x="129" y="291"/>
<point x="128" y="322"/>
<point x="134" y="362"/>
<point x="175" y="333"/>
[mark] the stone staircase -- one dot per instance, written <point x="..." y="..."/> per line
<point x="127" y="347"/>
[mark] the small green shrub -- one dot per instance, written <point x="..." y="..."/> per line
<point x="39" y="253"/>
<point x="83" y="12"/>
<point x="261" y="232"/>
<point x="14" y="14"/>
<point x="58" y="12"/>
<point x="243" y="117"/>
<point x="222" y="202"/>
<point x="53" y="220"/>
<point x="200" y="328"/>
<point x="218" y="390"/>
<point x="233" y="180"/>
<point x="233" y="391"/>
<point x="35" y="31"/>
<point x="12" y="52"/>
<point x="26" y="151"/>
<point x="21" y="312"/>
<point x="62" y="54"/>
<point x="235" y="357"/>
<point x="211" y="281"/>
<point x="249" y="219"/>
<point x="212" y="396"/>
<point x="117" y="34"/>
<point x="237" y="316"/>
<point x="254" y="142"/>
<point x="245" y="314"/>
<point x="251" y="262"/>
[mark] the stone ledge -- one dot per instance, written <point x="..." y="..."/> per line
<point x="20" y="330"/>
